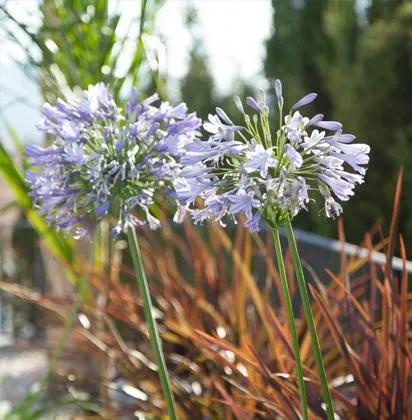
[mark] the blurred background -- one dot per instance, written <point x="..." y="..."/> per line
<point x="356" y="54"/>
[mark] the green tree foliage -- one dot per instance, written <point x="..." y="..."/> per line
<point x="360" y="63"/>
<point x="384" y="116"/>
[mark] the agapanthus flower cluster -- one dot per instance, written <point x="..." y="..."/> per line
<point x="106" y="160"/>
<point x="265" y="174"/>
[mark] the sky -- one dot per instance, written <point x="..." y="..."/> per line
<point x="232" y="31"/>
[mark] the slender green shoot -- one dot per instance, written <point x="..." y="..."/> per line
<point x="310" y="321"/>
<point x="151" y="322"/>
<point x="291" y="321"/>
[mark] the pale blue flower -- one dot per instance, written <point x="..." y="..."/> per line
<point x="295" y="126"/>
<point x="266" y="174"/>
<point x="105" y="161"/>
<point x="243" y="201"/>
<point x="305" y="100"/>
<point x="278" y="91"/>
<point x="315" y="139"/>
<point x="253" y="104"/>
<point x="255" y="224"/>
<point x="259" y="159"/>
<point x="295" y="158"/>
<point x="329" y="125"/>
<point x="219" y="130"/>
<point x="340" y="187"/>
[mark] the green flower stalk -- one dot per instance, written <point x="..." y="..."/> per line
<point x="110" y="163"/>
<point x="291" y="322"/>
<point x="267" y="175"/>
<point x="310" y="321"/>
<point x="151" y="322"/>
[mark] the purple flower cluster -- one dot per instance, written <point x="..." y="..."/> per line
<point x="107" y="161"/>
<point x="266" y="175"/>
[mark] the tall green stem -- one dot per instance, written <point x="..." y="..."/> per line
<point x="310" y="321"/>
<point x="153" y="331"/>
<point x="291" y="321"/>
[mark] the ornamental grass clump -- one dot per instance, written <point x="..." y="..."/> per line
<point x="268" y="175"/>
<point x="115" y="163"/>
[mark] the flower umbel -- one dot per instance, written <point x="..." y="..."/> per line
<point x="266" y="174"/>
<point x="105" y="160"/>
